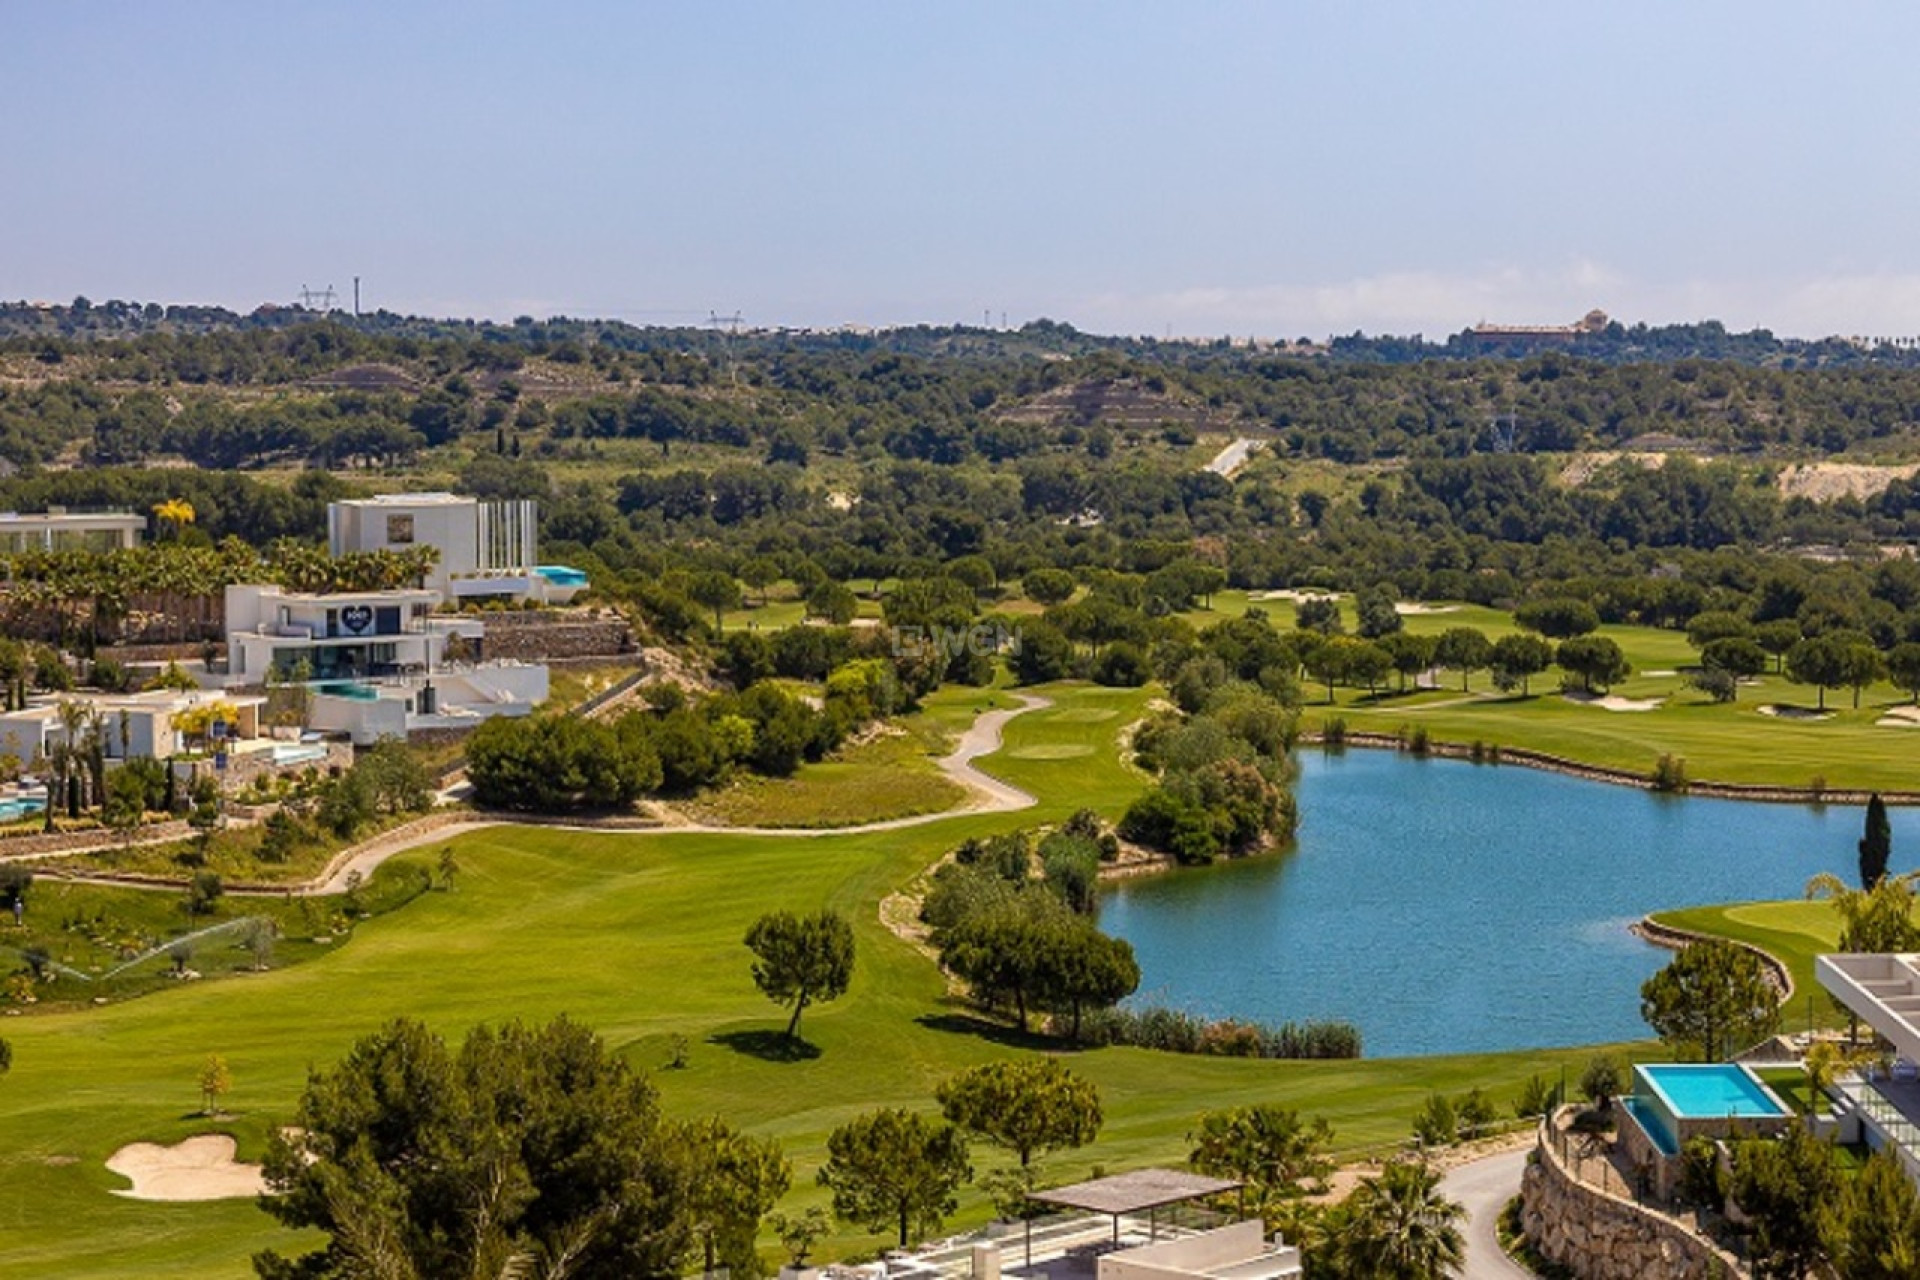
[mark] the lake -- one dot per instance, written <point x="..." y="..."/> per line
<point x="1448" y="907"/>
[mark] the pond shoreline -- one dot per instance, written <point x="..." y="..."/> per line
<point x="1526" y="757"/>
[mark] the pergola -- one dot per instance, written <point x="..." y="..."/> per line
<point x="1142" y="1191"/>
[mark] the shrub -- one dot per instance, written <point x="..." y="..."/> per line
<point x="1670" y="774"/>
<point x="1473" y="1113"/>
<point x="1172" y="1031"/>
<point x="1600" y="1082"/>
<point x="1436" y="1124"/>
<point x="1419" y="744"/>
<point x="1700" y="1182"/>
<point x="1333" y="733"/>
<point x="1537" y="1096"/>
<point x="1230" y="1039"/>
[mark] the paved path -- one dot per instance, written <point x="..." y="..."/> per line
<point x="1484" y="1187"/>
<point x="988" y="795"/>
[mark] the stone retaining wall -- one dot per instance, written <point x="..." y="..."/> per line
<point x="1600" y="1236"/>
<point x="92" y="838"/>
<point x="538" y="638"/>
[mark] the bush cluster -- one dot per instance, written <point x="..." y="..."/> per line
<point x="1177" y="1032"/>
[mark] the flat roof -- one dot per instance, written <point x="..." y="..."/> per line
<point x="405" y="500"/>
<point x="1133" y="1192"/>
<point x="73" y="517"/>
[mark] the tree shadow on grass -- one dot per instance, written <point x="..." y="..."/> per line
<point x="967" y="1024"/>
<point x="768" y="1046"/>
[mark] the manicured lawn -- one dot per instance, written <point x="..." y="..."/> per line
<point x="1792" y="932"/>
<point x="1732" y="742"/>
<point x="1791" y="1084"/>
<point x="639" y="936"/>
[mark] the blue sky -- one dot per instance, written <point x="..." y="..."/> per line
<point x="1274" y="169"/>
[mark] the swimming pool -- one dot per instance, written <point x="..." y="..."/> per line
<point x="285" y="753"/>
<point x="15" y="808"/>
<point x="561" y="575"/>
<point x="1673" y="1102"/>
<point x="1711" y="1090"/>
<point x="346" y="689"/>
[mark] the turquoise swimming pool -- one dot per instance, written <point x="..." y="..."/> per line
<point x="346" y="689"/>
<point x="1676" y="1101"/>
<point x="561" y="575"/>
<point x="1715" y="1090"/>
<point x="15" y="808"/>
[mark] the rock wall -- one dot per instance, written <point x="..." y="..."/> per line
<point x="1599" y="1236"/>
<point x="541" y="637"/>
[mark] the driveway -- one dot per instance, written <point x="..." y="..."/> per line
<point x="1484" y="1187"/>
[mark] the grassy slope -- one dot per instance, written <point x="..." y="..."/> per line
<point x="889" y="777"/>
<point x="638" y="936"/>
<point x="1722" y="743"/>
<point x="1792" y="932"/>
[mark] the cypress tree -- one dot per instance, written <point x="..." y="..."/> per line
<point x="1876" y="846"/>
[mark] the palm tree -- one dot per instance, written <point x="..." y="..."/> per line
<point x="67" y="751"/>
<point x="1871" y="920"/>
<point x="173" y="515"/>
<point x="1395" y="1226"/>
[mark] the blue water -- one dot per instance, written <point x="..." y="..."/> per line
<point x="1702" y="1091"/>
<point x="346" y="689"/>
<point x="561" y="575"/>
<point x="1654" y="1124"/>
<point x="1447" y="907"/>
<point x="12" y="810"/>
<point x="285" y="753"/>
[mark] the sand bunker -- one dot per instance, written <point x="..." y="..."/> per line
<point x="1297" y="597"/>
<point x="1614" y="702"/>
<point x="1795" y="713"/>
<point x="199" y="1168"/>
<point x="1413" y="609"/>
<point x="1900" y="718"/>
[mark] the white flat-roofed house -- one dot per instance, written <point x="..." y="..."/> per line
<point x="488" y="548"/>
<point x="380" y="663"/>
<point x="131" y="725"/>
<point x="1883" y="990"/>
<point x="345" y="635"/>
<point x="57" y="529"/>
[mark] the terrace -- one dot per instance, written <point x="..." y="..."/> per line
<point x="1133" y="1226"/>
<point x="1884" y="991"/>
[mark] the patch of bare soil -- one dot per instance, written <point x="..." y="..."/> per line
<point x="1585" y="466"/>
<point x="1826" y="481"/>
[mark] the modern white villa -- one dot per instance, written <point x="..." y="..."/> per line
<point x="130" y="724"/>
<point x="57" y="529"/>
<point x="380" y="663"/>
<point x="488" y="549"/>
<point x="1883" y="991"/>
